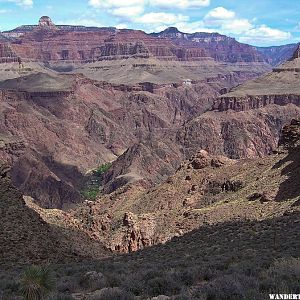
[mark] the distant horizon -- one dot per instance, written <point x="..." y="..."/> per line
<point x="91" y="26"/>
<point x="258" y="23"/>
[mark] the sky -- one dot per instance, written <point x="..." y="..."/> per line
<point x="256" y="22"/>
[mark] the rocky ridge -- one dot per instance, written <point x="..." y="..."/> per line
<point x="205" y="190"/>
<point x="277" y="55"/>
<point x="220" y="47"/>
<point x="246" y="122"/>
<point x="112" y="43"/>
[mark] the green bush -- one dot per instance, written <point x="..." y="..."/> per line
<point x="102" y="169"/>
<point x="90" y="193"/>
<point x="36" y="283"/>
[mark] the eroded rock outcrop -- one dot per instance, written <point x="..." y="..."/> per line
<point x="136" y="233"/>
<point x="254" y="102"/>
<point x="46" y="23"/>
<point x="290" y="137"/>
<point x="280" y="87"/>
<point x="7" y="55"/>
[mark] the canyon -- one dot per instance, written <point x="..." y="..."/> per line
<point x="124" y="155"/>
<point x="143" y="102"/>
<point x="128" y="88"/>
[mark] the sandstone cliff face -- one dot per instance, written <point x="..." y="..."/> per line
<point x="47" y="42"/>
<point x="7" y="55"/>
<point x="254" y="102"/>
<point x="277" y="55"/>
<point x="220" y="47"/>
<point x="118" y="50"/>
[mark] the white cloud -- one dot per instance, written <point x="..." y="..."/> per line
<point x="115" y="3"/>
<point x="81" y="22"/>
<point x="263" y="35"/>
<point x="225" y="21"/>
<point x="122" y="26"/>
<point x="219" y="13"/>
<point x="24" y="3"/>
<point x="236" y="26"/>
<point x="4" y="11"/>
<point x="125" y="9"/>
<point x="129" y="11"/>
<point x="129" y="8"/>
<point x="161" y="18"/>
<point x="182" y="4"/>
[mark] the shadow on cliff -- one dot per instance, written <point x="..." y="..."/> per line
<point x="290" y="187"/>
<point x="53" y="184"/>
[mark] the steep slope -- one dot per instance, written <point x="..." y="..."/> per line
<point x="26" y="238"/>
<point x="245" y="122"/>
<point x="236" y="215"/>
<point x="204" y="190"/>
<point x="220" y="47"/>
<point x="55" y="127"/>
<point x="277" y="55"/>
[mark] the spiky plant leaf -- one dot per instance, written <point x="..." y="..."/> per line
<point x="36" y="283"/>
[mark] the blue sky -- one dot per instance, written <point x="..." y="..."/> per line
<point x="257" y="22"/>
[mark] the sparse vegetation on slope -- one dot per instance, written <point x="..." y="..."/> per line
<point x="36" y="283"/>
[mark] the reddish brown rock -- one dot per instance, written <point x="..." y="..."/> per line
<point x="137" y="233"/>
<point x="78" y="43"/>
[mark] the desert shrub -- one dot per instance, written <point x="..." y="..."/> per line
<point x="93" y="281"/>
<point x="102" y="169"/>
<point x="152" y="273"/>
<point x="165" y="285"/>
<point x="68" y="284"/>
<point x="232" y="287"/>
<point x="114" y="279"/>
<point x="112" y="294"/>
<point x="60" y="296"/>
<point x="90" y="192"/>
<point x="186" y="277"/>
<point x="36" y="283"/>
<point x="283" y="276"/>
<point x="134" y="284"/>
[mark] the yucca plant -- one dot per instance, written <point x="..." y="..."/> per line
<point x="36" y="283"/>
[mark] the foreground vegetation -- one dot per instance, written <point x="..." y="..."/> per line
<point x="227" y="261"/>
